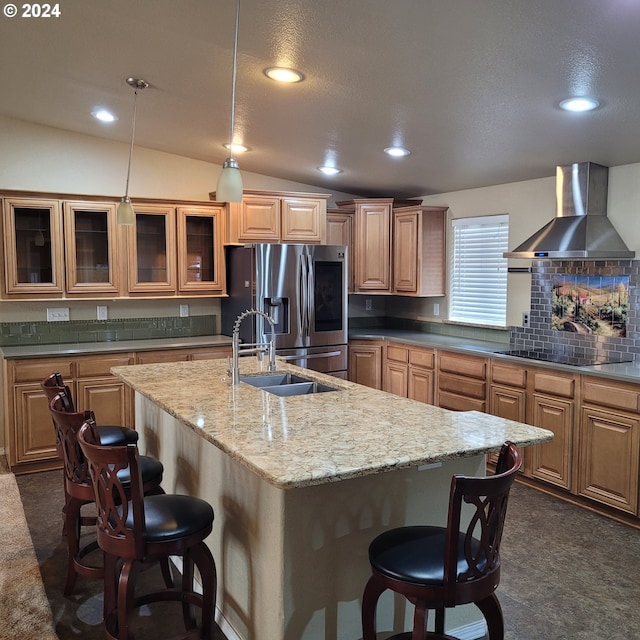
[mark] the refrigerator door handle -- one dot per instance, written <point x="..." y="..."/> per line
<point x="309" y="356"/>
<point x="310" y="286"/>
<point x="303" y="293"/>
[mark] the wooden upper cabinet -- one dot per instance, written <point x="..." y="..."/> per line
<point x="152" y="250"/>
<point x="419" y="251"/>
<point x="32" y="248"/>
<point x="200" y="249"/>
<point x="277" y="216"/>
<point x="340" y="231"/>
<point x="91" y="248"/>
<point x="372" y="245"/>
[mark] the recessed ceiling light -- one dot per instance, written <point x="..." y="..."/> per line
<point x="329" y="171"/>
<point x="103" y="115"/>
<point x="583" y="103"/>
<point x="397" y="152"/>
<point x="236" y="147"/>
<point x="283" y="74"/>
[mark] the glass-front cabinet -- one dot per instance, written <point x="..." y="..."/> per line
<point x="91" y="248"/>
<point x="32" y="247"/>
<point x="152" y="250"/>
<point x="200" y="252"/>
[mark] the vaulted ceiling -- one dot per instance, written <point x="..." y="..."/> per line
<point x="471" y="87"/>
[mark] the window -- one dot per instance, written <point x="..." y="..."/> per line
<point x="478" y="291"/>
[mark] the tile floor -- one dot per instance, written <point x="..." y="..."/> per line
<point x="568" y="574"/>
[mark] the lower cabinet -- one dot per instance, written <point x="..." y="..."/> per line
<point x="462" y="382"/>
<point x="409" y="372"/>
<point x="609" y="443"/>
<point x="365" y="362"/>
<point x="29" y="435"/>
<point x="552" y="407"/>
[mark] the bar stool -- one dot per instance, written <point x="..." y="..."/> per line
<point x="443" y="567"/>
<point x="140" y="529"/>
<point x="79" y="490"/>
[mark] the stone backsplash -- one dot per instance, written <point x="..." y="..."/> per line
<point x="26" y="333"/>
<point x="541" y="336"/>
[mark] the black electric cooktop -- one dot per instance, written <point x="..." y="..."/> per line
<point x="563" y="358"/>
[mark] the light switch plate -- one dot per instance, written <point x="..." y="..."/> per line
<point x="184" y="310"/>
<point x="58" y="314"/>
<point x="101" y="312"/>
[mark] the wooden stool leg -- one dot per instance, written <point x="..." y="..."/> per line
<point x="420" y="614"/>
<point x="72" y="531"/>
<point x="370" y="597"/>
<point x="207" y="568"/>
<point x="126" y="600"/>
<point x="440" y="620"/>
<point x="492" y="612"/>
<point x="187" y="586"/>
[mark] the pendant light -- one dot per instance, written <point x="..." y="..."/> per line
<point x="125" y="213"/>
<point x="229" y="187"/>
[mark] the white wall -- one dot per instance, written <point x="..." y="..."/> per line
<point x="530" y="205"/>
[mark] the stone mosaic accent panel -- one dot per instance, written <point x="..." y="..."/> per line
<point x="541" y="333"/>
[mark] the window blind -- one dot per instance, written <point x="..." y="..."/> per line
<point x="478" y="272"/>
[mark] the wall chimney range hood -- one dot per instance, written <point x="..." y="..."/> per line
<point x="581" y="228"/>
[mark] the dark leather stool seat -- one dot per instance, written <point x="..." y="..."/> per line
<point x="79" y="489"/>
<point x="147" y="529"/>
<point x="443" y="567"/>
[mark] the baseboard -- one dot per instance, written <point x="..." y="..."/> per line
<point x="472" y="631"/>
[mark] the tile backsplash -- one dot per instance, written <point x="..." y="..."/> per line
<point x="27" y="333"/>
<point x="541" y="334"/>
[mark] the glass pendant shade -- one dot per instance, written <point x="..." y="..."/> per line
<point x="229" y="187"/>
<point x="125" y="214"/>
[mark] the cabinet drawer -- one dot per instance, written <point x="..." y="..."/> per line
<point x="464" y="365"/>
<point x="397" y="353"/>
<point x="167" y="355"/>
<point x="618" y="396"/>
<point x="36" y="371"/>
<point x="421" y="358"/>
<point x="100" y="366"/>
<point x="554" y="384"/>
<point x="454" y="402"/>
<point x="509" y="375"/>
<point x="462" y="386"/>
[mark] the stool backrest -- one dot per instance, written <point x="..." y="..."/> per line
<point x="67" y="424"/>
<point x="53" y="384"/>
<point x="483" y="501"/>
<point x="120" y="511"/>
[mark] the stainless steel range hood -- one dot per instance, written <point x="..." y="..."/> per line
<point x="581" y="228"/>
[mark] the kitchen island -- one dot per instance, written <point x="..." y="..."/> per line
<point x="301" y="485"/>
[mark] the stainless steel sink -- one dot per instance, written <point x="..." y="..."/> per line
<point x="286" y="384"/>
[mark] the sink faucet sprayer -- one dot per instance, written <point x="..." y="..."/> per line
<point x="253" y="347"/>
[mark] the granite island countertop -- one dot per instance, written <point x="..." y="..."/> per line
<point x="315" y="439"/>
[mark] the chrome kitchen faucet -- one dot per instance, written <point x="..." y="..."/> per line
<point x="251" y="347"/>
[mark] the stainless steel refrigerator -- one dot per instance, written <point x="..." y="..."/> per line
<point x="304" y="289"/>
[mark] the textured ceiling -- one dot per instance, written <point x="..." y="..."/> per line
<point x="470" y="86"/>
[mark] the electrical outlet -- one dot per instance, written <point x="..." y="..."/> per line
<point x="184" y="310"/>
<point x="101" y="312"/>
<point x="525" y="318"/>
<point x="58" y="314"/>
<point x="436" y="309"/>
<point x="367" y="304"/>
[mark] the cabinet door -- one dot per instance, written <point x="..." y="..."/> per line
<point x="365" y="364"/>
<point x="340" y="231"/>
<point x="152" y="250"/>
<point x="91" y="249"/>
<point x="420" y="385"/>
<point x="258" y="219"/>
<point x="396" y="380"/>
<point x="200" y="250"/>
<point x="32" y="242"/>
<point x="33" y="438"/>
<point x="303" y="220"/>
<point x="552" y="461"/>
<point x="108" y="398"/>
<point x="609" y="456"/>
<point x="373" y="246"/>
<point x="405" y="252"/>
